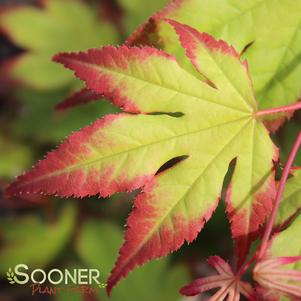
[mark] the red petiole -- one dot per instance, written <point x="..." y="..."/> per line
<point x="283" y="109"/>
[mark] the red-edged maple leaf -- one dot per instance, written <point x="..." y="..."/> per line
<point x="228" y="283"/>
<point x="278" y="273"/>
<point x="123" y="152"/>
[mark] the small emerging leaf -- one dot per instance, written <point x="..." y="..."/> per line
<point x="229" y="284"/>
<point x="279" y="273"/>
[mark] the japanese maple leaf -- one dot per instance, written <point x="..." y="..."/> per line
<point x="124" y="152"/>
<point x="230" y="285"/>
<point x="276" y="281"/>
<point x="278" y="273"/>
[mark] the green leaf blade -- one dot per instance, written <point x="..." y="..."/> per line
<point x="291" y="200"/>
<point x="253" y="28"/>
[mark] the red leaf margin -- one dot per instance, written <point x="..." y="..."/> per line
<point x="65" y="185"/>
<point x="80" y="97"/>
<point x="107" y="56"/>
<point x="185" y="231"/>
<point x="141" y="35"/>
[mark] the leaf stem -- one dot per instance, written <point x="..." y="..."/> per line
<point x="292" y="107"/>
<point x="284" y="176"/>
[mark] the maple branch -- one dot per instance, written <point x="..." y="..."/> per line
<point x="283" y="180"/>
<point x="288" y="108"/>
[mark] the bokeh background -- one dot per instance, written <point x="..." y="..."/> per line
<point x="46" y="232"/>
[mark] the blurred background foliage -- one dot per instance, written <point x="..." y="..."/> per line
<point x="46" y="232"/>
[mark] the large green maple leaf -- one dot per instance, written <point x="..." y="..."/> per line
<point x="125" y="151"/>
<point x="67" y="25"/>
<point x="265" y="32"/>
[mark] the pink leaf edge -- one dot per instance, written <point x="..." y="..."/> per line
<point x="167" y="240"/>
<point x="45" y="179"/>
<point x="188" y="36"/>
<point x="80" y="97"/>
<point x="142" y="35"/>
<point x="83" y="64"/>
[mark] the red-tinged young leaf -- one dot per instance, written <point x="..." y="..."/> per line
<point x="271" y="276"/>
<point x="177" y="115"/>
<point x="228" y="283"/>
<point x="279" y="272"/>
<point x="80" y="97"/>
<point x="276" y="124"/>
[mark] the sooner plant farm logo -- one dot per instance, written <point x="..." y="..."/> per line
<point x="56" y="281"/>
